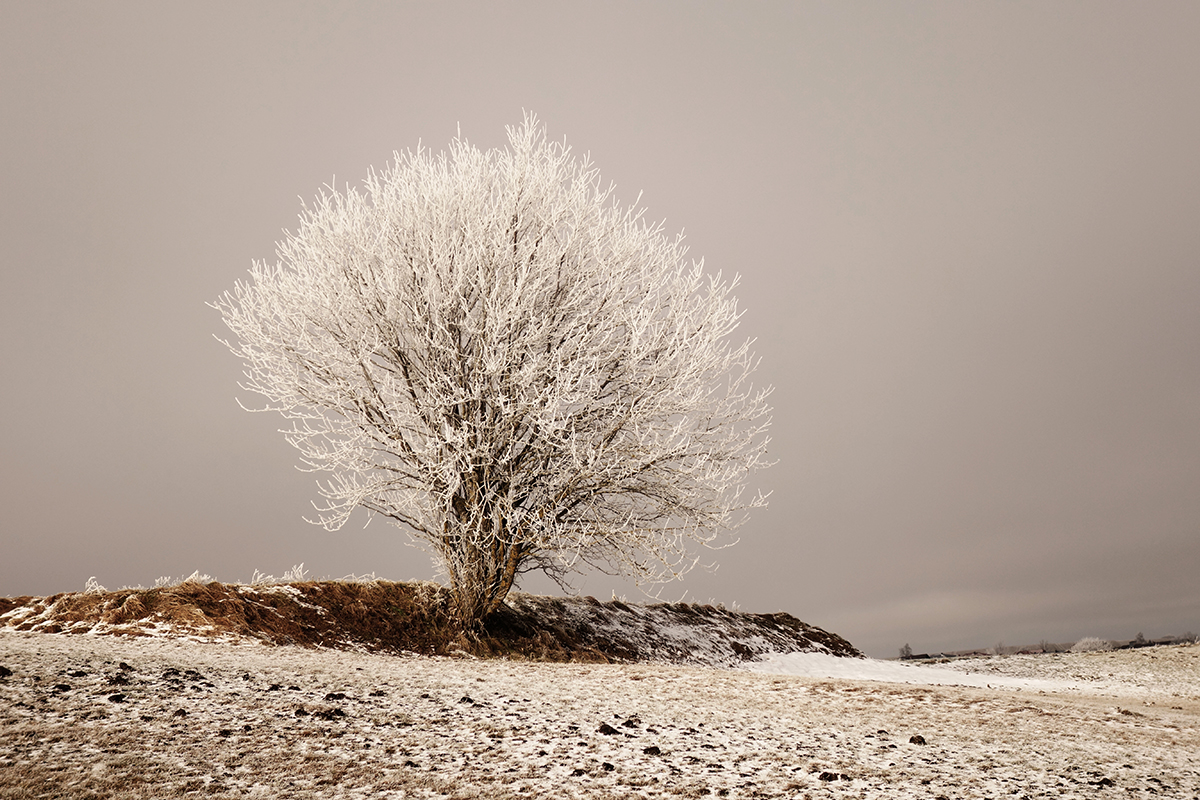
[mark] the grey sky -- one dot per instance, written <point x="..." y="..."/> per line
<point x="969" y="241"/>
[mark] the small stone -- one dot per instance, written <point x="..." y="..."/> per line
<point x="59" y="688"/>
<point x="179" y="712"/>
<point x="652" y="750"/>
<point x="466" y="699"/>
<point x="828" y="776"/>
<point x="335" y="696"/>
<point x="606" y="729"/>
<point x="124" y="667"/>
<point x="579" y="771"/>
<point x="116" y="698"/>
<point x="607" y="767"/>
<point x="917" y="739"/>
<point x="5" y="672"/>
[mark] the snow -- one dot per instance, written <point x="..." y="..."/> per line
<point x="820" y="665"/>
<point x="262" y="721"/>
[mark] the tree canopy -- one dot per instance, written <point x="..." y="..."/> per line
<point x="487" y="350"/>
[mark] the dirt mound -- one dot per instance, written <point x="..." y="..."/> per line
<point x="413" y="617"/>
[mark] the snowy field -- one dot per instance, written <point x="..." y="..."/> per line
<point x="102" y="716"/>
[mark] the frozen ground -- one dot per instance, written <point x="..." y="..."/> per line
<point x="101" y="716"/>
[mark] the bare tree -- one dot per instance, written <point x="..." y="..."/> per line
<point x="488" y="351"/>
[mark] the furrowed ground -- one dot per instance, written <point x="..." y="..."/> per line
<point x="176" y="716"/>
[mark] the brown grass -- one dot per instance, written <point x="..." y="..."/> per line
<point x="409" y="617"/>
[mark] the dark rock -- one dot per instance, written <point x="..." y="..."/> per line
<point x="124" y="667"/>
<point x="116" y="698"/>
<point x="59" y="688"/>
<point x="1104" y="782"/>
<point x="117" y="679"/>
<point x="632" y="722"/>
<point x="828" y="776"/>
<point x="378" y="693"/>
<point x="607" y="767"/>
<point x="652" y="750"/>
<point x="274" y="687"/>
<point x="224" y="732"/>
<point x="410" y="764"/>
<point x="335" y="696"/>
<point x="466" y="699"/>
<point x="147" y="718"/>
<point x="606" y="729"/>
<point x="245" y="676"/>
<point x="179" y="712"/>
<point x="328" y="714"/>
<point x="579" y="771"/>
<point x="300" y="712"/>
<point x="918" y="739"/>
<point x="5" y="672"/>
<point x="75" y="673"/>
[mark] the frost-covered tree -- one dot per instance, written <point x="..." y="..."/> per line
<point x="487" y="350"/>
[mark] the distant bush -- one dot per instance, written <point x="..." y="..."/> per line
<point x="1091" y="644"/>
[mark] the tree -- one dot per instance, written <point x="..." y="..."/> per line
<point x="487" y="350"/>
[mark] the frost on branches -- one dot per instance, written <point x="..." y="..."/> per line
<point x="488" y="351"/>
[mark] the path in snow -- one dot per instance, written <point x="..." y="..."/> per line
<point x="819" y="665"/>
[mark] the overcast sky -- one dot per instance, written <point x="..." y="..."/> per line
<point x="968" y="235"/>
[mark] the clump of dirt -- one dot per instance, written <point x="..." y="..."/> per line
<point x="415" y="617"/>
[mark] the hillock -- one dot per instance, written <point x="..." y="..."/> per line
<point x="385" y="616"/>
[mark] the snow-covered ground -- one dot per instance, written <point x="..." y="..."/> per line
<point x="102" y="716"/>
<point x="819" y="665"/>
